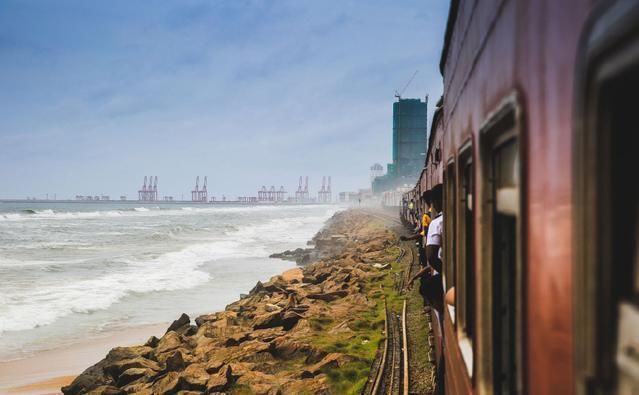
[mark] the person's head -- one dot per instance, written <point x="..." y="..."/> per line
<point x="436" y="197"/>
<point x="426" y="197"/>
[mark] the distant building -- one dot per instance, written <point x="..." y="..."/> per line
<point x="377" y="170"/>
<point x="409" y="145"/>
<point x="409" y="137"/>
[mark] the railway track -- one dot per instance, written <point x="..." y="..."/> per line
<point x="382" y="216"/>
<point x="390" y="371"/>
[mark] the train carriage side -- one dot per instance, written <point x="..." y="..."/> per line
<point x="506" y="158"/>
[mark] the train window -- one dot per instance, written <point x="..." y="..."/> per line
<point x="607" y="244"/>
<point x="505" y="168"/>
<point x="449" y="234"/>
<point x="465" y="292"/>
<point x="502" y="259"/>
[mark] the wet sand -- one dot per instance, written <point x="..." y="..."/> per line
<point x="45" y="372"/>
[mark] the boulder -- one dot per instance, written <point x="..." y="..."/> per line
<point x="167" y="384"/>
<point x="194" y="377"/>
<point x="116" y="369"/>
<point x="179" y="323"/>
<point x="328" y="296"/>
<point x="132" y="374"/>
<point x="170" y="341"/>
<point x="289" y="319"/>
<point x="152" y="342"/>
<point x="106" y="390"/>
<point x="214" y="366"/>
<point x="175" y="362"/>
<point x="220" y="381"/>
<point x="268" y="320"/>
<point x="205" y="318"/>
<point x="271" y="307"/>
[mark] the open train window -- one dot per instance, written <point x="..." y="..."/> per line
<point x="465" y="292"/>
<point x="607" y="244"/>
<point x="448" y="262"/>
<point x="502" y="262"/>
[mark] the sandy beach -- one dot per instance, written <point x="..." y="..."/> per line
<point x="46" y="371"/>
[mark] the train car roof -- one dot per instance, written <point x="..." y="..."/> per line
<point x="450" y="24"/>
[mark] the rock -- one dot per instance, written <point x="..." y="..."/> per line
<point x="328" y="296"/>
<point x="220" y="381"/>
<point x="216" y="383"/>
<point x="152" y="342"/>
<point x="315" y="355"/>
<point x="289" y="319"/>
<point x="180" y="322"/>
<point x="116" y="369"/>
<point x="194" y="377"/>
<point x="175" y="362"/>
<point x="330" y="361"/>
<point x="164" y="358"/>
<point x="106" y="390"/>
<point x="95" y="376"/>
<point x="166" y="385"/>
<point x="310" y="279"/>
<point x="257" y="288"/>
<point x="171" y="340"/>
<point x="307" y="375"/>
<point x="342" y="327"/>
<point x="271" y="307"/>
<point x="236" y="338"/>
<point x="132" y="374"/>
<point x="199" y="321"/>
<point x="268" y="320"/>
<point x="214" y="366"/>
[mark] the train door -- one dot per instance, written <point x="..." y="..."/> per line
<point x="502" y="258"/>
<point x="607" y="184"/>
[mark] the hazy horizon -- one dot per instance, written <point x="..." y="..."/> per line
<point x="98" y="95"/>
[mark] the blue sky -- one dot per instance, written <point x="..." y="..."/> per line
<point x="95" y="95"/>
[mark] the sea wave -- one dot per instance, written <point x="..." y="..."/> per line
<point x="50" y="214"/>
<point x="137" y="273"/>
<point x="168" y="272"/>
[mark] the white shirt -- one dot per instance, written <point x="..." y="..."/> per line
<point x="434" y="237"/>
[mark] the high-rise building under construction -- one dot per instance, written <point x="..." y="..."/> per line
<point x="409" y="137"/>
<point x="409" y="145"/>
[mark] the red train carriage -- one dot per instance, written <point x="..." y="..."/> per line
<point x="534" y="144"/>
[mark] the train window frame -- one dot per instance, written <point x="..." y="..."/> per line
<point x="465" y="307"/>
<point x="449" y="258"/>
<point x="501" y="126"/>
<point x="609" y="52"/>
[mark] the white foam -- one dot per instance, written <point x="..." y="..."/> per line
<point x="48" y="300"/>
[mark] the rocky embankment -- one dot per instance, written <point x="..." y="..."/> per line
<point x="311" y="330"/>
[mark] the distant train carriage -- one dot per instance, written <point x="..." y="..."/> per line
<point x="534" y="144"/>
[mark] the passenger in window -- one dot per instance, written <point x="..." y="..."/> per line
<point x="431" y="283"/>
<point x="421" y="230"/>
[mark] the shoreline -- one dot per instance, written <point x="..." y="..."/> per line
<point x="45" y="371"/>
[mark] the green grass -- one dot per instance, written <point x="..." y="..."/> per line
<point x="366" y="336"/>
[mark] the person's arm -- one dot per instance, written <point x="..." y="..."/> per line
<point x="421" y="272"/>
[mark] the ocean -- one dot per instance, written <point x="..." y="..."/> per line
<point x="72" y="271"/>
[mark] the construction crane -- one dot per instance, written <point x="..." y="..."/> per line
<point x="399" y="94"/>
